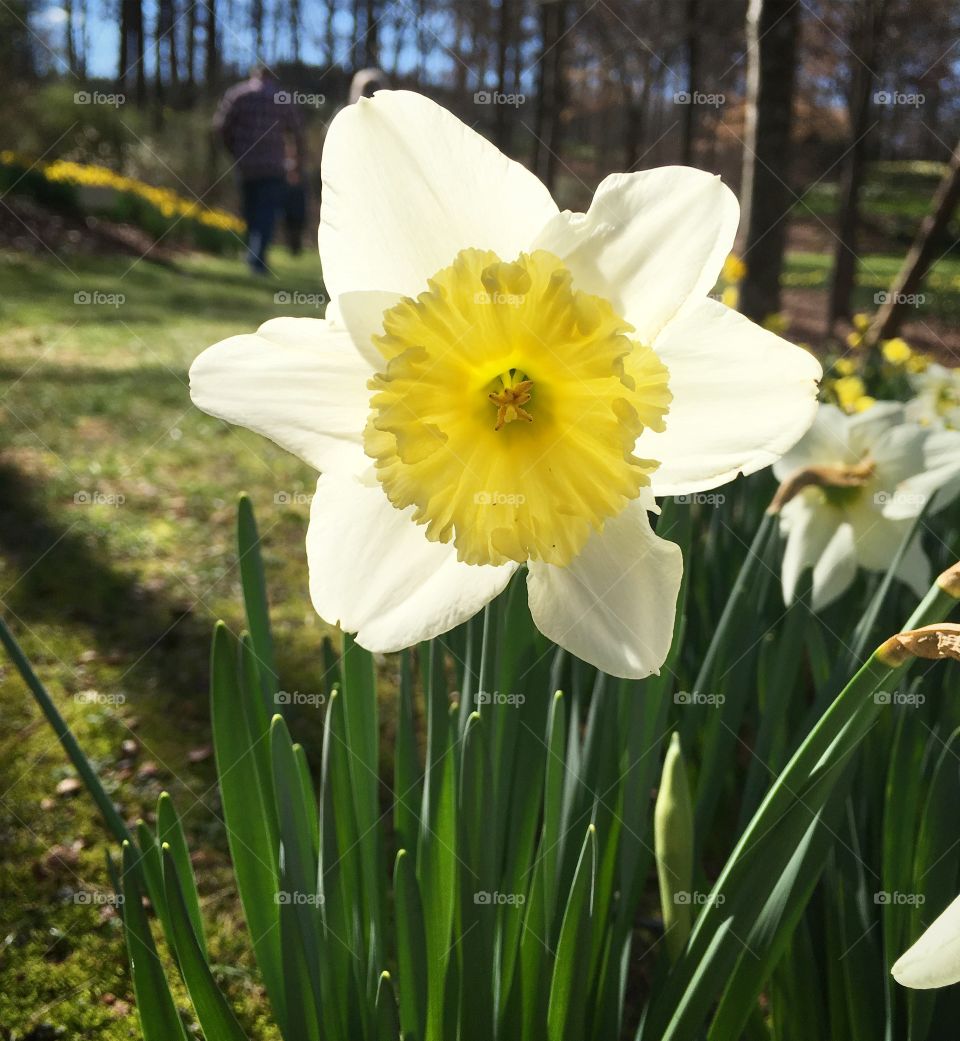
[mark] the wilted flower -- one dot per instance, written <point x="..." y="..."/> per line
<point x="852" y="486"/>
<point x="498" y="384"/>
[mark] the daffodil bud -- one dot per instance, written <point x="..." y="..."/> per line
<point x="673" y="843"/>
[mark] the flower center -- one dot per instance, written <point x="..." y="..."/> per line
<point x="509" y="407"/>
<point x="510" y="399"/>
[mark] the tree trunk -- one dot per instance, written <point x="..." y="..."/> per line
<point x="845" y="251"/>
<point x="772" y="29"/>
<point x="689" y="112"/>
<point x="212" y="56"/>
<point x="550" y="90"/>
<point x="919" y="260"/>
<point x="502" y="125"/>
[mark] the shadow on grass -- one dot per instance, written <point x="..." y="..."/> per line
<point x="63" y="580"/>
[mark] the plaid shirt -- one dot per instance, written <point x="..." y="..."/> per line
<point x="254" y="119"/>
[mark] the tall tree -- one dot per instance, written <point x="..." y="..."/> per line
<point x="772" y="28"/>
<point x="550" y="89"/>
<point x="868" y="26"/>
<point x="692" y="34"/>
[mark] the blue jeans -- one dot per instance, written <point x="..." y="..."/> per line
<point x="262" y="199"/>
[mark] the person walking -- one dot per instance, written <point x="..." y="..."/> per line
<point x="261" y="129"/>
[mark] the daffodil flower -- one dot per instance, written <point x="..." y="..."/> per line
<point x="500" y="384"/>
<point x="934" y="960"/>
<point x="853" y="485"/>
<point x="938" y="397"/>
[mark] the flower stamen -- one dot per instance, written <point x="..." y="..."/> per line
<point x="511" y="399"/>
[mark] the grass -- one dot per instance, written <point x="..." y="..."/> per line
<point x="117" y="513"/>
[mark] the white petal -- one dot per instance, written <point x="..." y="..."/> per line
<point x="878" y="540"/>
<point x="299" y="381"/>
<point x="817" y="537"/>
<point x="865" y="429"/>
<point x="373" y="571"/>
<point x="741" y="397"/>
<point x="934" y="960"/>
<point x="824" y="444"/>
<point x="406" y="186"/>
<point x="649" y="242"/>
<point x="614" y="605"/>
<point x="940" y="475"/>
<point x="361" y="314"/>
<point x="897" y="453"/>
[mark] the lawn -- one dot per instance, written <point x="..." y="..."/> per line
<point x="118" y="502"/>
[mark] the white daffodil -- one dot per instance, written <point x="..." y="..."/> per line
<point x="934" y="960"/>
<point x="938" y="397"/>
<point x="498" y="383"/>
<point x="854" y="484"/>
